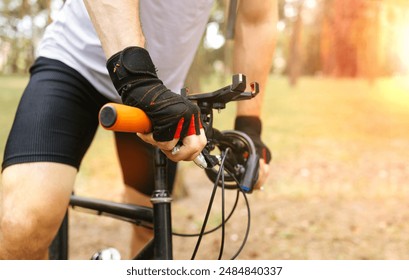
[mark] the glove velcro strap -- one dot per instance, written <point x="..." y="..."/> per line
<point x="129" y="66"/>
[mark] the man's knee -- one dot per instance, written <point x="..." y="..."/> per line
<point x="34" y="199"/>
<point x="26" y="237"/>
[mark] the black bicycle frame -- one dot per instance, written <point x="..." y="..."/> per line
<point x="161" y="201"/>
<point x="158" y="216"/>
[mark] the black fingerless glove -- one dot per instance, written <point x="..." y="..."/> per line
<point x="134" y="76"/>
<point x="252" y="127"/>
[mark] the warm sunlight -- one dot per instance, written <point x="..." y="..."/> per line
<point x="403" y="46"/>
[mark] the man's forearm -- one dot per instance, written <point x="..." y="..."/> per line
<point x="255" y="38"/>
<point x="117" y="24"/>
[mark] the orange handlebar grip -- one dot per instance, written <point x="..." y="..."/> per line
<point x="123" y="118"/>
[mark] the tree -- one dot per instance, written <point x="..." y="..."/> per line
<point x="357" y="37"/>
<point x="294" y="60"/>
<point x="22" y="23"/>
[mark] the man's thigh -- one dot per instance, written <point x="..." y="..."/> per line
<point x="56" y="118"/>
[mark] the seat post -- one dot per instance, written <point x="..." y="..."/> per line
<point x="161" y="200"/>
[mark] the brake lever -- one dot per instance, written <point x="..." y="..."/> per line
<point x="251" y="175"/>
<point x="199" y="160"/>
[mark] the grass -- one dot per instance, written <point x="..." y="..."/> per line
<point x="10" y="92"/>
<point x="339" y="136"/>
<point x="326" y="135"/>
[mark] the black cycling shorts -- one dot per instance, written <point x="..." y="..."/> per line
<point x="56" y="121"/>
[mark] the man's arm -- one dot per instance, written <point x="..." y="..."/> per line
<point x="117" y="24"/>
<point x="133" y="73"/>
<point x="255" y="38"/>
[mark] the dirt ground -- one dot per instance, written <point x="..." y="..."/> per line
<point x="317" y="225"/>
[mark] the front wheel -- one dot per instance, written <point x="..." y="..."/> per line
<point x="242" y="162"/>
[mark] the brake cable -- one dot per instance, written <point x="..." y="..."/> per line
<point x="210" y="230"/>
<point x="246" y="235"/>
<point x="222" y="225"/>
<point x="224" y="154"/>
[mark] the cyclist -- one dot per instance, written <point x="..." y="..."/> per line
<point x="135" y="52"/>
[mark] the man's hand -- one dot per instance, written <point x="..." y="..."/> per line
<point x="252" y="127"/>
<point x="173" y="116"/>
<point x="191" y="148"/>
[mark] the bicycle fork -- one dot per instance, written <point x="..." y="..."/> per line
<point x="161" y="200"/>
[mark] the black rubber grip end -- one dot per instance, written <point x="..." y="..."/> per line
<point x="107" y="116"/>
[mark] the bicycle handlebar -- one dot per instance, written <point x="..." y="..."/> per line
<point x="123" y="118"/>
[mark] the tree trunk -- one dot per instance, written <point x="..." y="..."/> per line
<point x="295" y="51"/>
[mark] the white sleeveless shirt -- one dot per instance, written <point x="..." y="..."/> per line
<point x="173" y="30"/>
